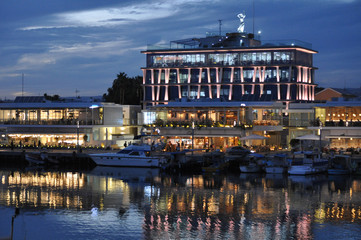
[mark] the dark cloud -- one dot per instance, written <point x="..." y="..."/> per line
<point x="83" y="44"/>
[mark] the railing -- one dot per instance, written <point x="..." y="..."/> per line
<point x="52" y="122"/>
<point x="199" y="124"/>
<point x="266" y="122"/>
<point x="222" y="64"/>
<point x="342" y="124"/>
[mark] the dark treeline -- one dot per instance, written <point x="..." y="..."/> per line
<point x="125" y="90"/>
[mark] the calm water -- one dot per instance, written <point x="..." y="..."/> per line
<point x="143" y="204"/>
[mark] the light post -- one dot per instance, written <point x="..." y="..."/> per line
<point x="320" y="138"/>
<point x="77" y="135"/>
<point x="192" y="137"/>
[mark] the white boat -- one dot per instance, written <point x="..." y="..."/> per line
<point x="131" y="156"/>
<point x="277" y="164"/>
<point x="253" y="163"/>
<point x="311" y="163"/>
<point x="36" y="158"/>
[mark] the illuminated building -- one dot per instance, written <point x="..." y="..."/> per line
<point x="234" y="73"/>
<point x="235" y="67"/>
<point x="62" y="123"/>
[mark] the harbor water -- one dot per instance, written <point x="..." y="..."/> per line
<point x="139" y="203"/>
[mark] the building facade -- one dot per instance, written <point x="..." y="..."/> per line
<point x="235" y="67"/>
<point x="34" y="120"/>
<point x="227" y="87"/>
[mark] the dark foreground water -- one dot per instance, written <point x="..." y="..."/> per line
<point x="142" y="204"/>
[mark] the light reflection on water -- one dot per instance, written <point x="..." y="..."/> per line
<point x="144" y="204"/>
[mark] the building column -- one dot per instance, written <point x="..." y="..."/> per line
<point x="179" y="86"/>
<point x="242" y="75"/>
<point x="158" y="87"/>
<point x="288" y="91"/>
<point x="166" y="78"/>
<point x="209" y="81"/>
<point x="231" y="85"/>
<point x="189" y="82"/>
<point x="199" y="81"/>
<point x="254" y="74"/>
<point x="218" y="83"/>
<point x="152" y="81"/>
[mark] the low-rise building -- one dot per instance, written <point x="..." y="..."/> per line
<point x="69" y="122"/>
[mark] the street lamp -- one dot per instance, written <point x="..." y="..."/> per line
<point x="77" y="135"/>
<point x="192" y="136"/>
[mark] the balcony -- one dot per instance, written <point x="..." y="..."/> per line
<point x="52" y="122"/>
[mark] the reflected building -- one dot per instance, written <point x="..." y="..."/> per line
<point x="193" y="206"/>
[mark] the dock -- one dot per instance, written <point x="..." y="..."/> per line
<point x="73" y="160"/>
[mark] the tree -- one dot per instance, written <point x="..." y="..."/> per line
<point x="125" y="90"/>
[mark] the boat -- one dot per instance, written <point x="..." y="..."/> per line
<point x="340" y="165"/>
<point x="131" y="156"/>
<point x="36" y="158"/>
<point x="214" y="162"/>
<point x="311" y="163"/>
<point x="277" y="163"/>
<point x="253" y="163"/>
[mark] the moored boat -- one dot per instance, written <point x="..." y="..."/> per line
<point x="311" y="163"/>
<point x="131" y="156"/>
<point x="36" y="158"/>
<point x="253" y="163"/>
<point x="277" y="163"/>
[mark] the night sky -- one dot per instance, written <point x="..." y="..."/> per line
<point x="64" y="45"/>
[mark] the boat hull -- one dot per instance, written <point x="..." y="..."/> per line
<point x="306" y="170"/>
<point x="250" y="169"/>
<point x="126" y="161"/>
<point x="338" y="171"/>
<point x="275" y="170"/>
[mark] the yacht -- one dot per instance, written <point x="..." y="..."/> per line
<point x="131" y="156"/>
<point x="277" y="164"/>
<point x="311" y="163"/>
<point x="253" y="163"/>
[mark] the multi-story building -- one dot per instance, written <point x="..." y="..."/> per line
<point x="233" y="79"/>
<point x="34" y="120"/>
<point x="235" y="67"/>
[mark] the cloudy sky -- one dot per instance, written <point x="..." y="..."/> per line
<point x="66" y="45"/>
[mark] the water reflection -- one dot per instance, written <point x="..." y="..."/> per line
<point x="246" y="206"/>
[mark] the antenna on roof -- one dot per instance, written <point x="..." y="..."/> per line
<point x="220" y="27"/>
<point x="76" y="93"/>
<point x="253" y="17"/>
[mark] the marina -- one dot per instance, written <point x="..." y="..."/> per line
<point x="143" y="203"/>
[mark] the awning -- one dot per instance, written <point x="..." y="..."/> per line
<point x="309" y="137"/>
<point x="253" y="137"/>
<point x="343" y="136"/>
